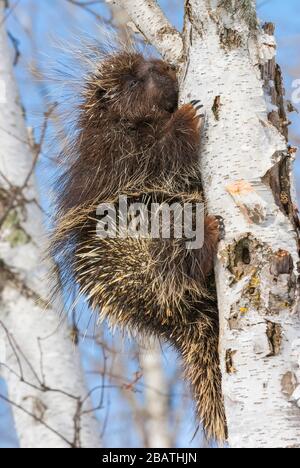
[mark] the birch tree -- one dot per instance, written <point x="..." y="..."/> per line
<point x="227" y="59"/>
<point x="42" y="367"/>
<point x="156" y="397"/>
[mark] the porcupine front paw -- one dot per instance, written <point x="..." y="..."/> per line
<point x="199" y="112"/>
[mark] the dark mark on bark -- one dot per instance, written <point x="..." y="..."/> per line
<point x="239" y="254"/>
<point x="194" y="18"/>
<point x="216" y="108"/>
<point x="246" y="256"/>
<point x="166" y="30"/>
<point x="230" y="39"/>
<point x="282" y="294"/>
<point x="237" y="314"/>
<point x="234" y="320"/>
<point x="4" y="198"/>
<point x="281" y="263"/>
<point x="230" y="369"/>
<point x="273" y="86"/>
<point x="278" y="179"/>
<point x="195" y="21"/>
<point x="274" y="334"/>
<point x="290" y="107"/>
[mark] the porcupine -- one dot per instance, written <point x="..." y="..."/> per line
<point x="132" y="139"/>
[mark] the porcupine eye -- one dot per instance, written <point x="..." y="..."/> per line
<point x="132" y="83"/>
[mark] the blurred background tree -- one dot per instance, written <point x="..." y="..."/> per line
<point x="125" y="380"/>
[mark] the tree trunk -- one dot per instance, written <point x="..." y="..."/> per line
<point x="228" y="62"/>
<point x="42" y="369"/>
<point x="156" y="397"/>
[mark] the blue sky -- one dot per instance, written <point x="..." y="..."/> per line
<point x="49" y="20"/>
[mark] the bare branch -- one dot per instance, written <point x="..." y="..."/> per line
<point x="87" y="6"/>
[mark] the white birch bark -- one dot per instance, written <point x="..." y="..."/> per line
<point x="148" y="17"/>
<point x="156" y="397"/>
<point x="246" y="167"/>
<point x="48" y="402"/>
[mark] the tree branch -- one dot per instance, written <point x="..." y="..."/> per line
<point x="152" y="23"/>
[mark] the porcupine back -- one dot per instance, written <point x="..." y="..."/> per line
<point x="123" y="144"/>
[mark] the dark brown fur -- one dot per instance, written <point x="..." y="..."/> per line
<point x="131" y="139"/>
